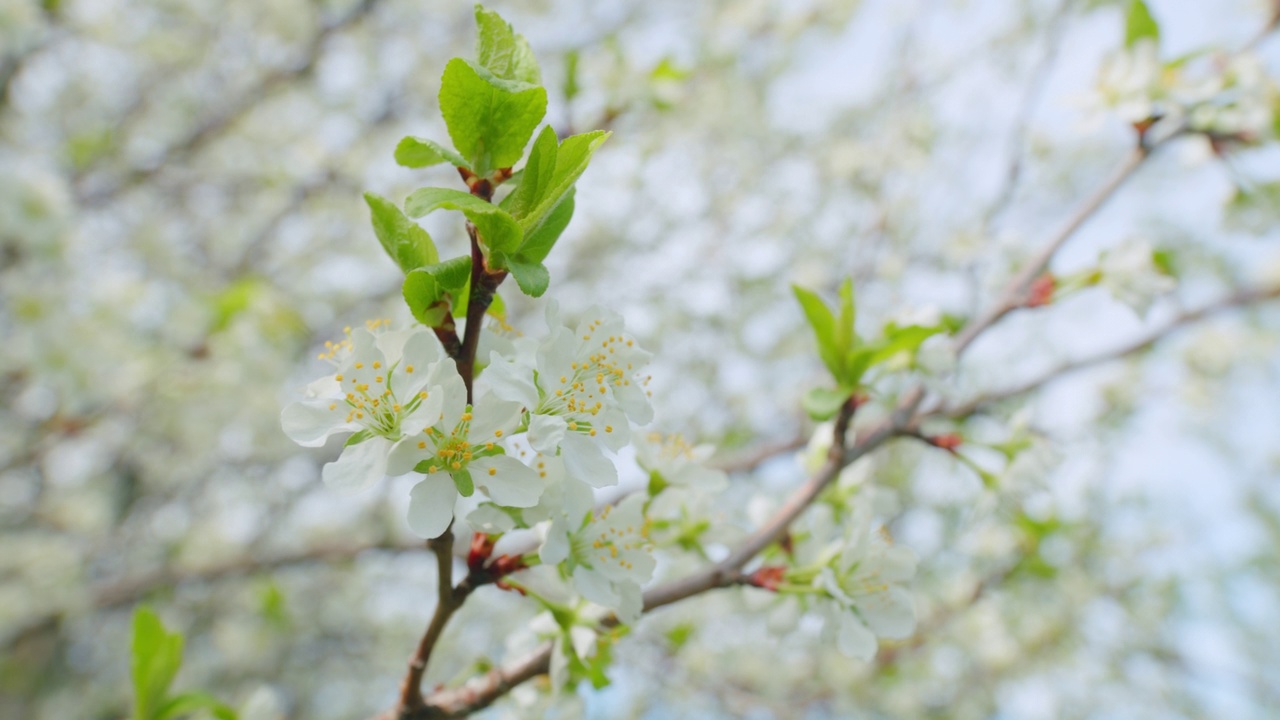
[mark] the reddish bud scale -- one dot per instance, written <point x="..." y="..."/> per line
<point x="1041" y="291"/>
<point x="768" y="577"/>
<point x="949" y="441"/>
<point x="481" y="549"/>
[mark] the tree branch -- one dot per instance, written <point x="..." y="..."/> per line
<point x="1239" y="299"/>
<point x="1014" y="295"/>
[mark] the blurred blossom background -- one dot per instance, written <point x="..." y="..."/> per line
<point x="181" y="228"/>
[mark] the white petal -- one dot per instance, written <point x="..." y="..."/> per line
<point x="595" y="587"/>
<point x="490" y="519"/>
<point x="511" y="381"/>
<point x="512" y="484"/>
<point x="491" y="414"/>
<point x="555" y="549"/>
<point x="405" y="454"/>
<point x="630" y="602"/>
<point x="583" y="461"/>
<point x="619" y="434"/>
<point x="634" y="401"/>
<point x="359" y="465"/>
<point x="546" y="432"/>
<point x="425" y="415"/>
<point x="559" y="664"/>
<point x="891" y="613"/>
<point x="854" y="639"/>
<point x="310" y="423"/>
<point x="583" y="639"/>
<point x="454" y="400"/>
<point x="431" y="505"/>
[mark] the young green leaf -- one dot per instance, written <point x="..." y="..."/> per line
<point x="415" y="152"/>
<point x="824" y="328"/>
<point x="490" y="119"/>
<point x="549" y="176"/>
<point x="531" y="276"/>
<point x="538" y="243"/>
<point x="899" y="340"/>
<point x="404" y="240"/>
<point x="823" y="403"/>
<point x="432" y="291"/>
<point x="845" y="337"/>
<point x="502" y="52"/>
<point x="188" y="703"/>
<point x="1139" y="24"/>
<point x="157" y="655"/>
<point x="498" y="230"/>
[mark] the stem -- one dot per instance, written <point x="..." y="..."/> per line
<point x="446" y="604"/>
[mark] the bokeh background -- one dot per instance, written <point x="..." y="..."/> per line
<point x="181" y="228"/>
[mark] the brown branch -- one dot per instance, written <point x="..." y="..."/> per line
<point x="749" y="462"/>
<point x="447" y="602"/>
<point x="1239" y="299"/>
<point x="1014" y="295"/>
<point x="482" y="692"/>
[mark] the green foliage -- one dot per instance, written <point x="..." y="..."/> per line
<point x="502" y="52"/>
<point x="157" y="656"/>
<point x="1255" y="209"/>
<point x="1139" y="24"/>
<point x="490" y="119"/>
<point x="416" y="152"/>
<point x="498" y="230"/>
<point x="404" y="240"/>
<point x="432" y="291"/>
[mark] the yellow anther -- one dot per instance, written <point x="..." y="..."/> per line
<point x="333" y="406"/>
<point x="466" y="456"/>
<point x="376" y="364"/>
<point x="359" y="365"/>
<point x="456" y="465"/>
<point x="338" y="377"/>
<point x="493" y="471"/>
<point x="431" y="470"/>
<point x="378" y="379"/>
<point x="422" y="444"/>
<point x="608" y="428"/>
<point x="593" y="432"/>
<point x="408" y="368"/>
<point x="422" y="395"/>
<point x="359" y="415"/>
<point x="466" y="417"/>
<point x="396" y="408"/>
<point x="497" y="433"/>
<point x="573" y="426"/>
<point x="488" y="446"/>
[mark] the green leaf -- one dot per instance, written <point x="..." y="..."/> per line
<point x="432" y="291"/>
<point x="498" y="230"/>
<point x="824" y="328"/>
<point x="416" y="152"/>
<point x="188" y="703"/>
<point x="845" y="337"/>
<point x="823" y="403"/>
<point x="404" y="240"/>
<point x="903" y="340"/>
<point x="462" y="480"/>
<point x="1139" y="24"/>
<point x="157" y="655"/>
<point x="490" y="119"/>
<point x="571" y="87"/>
<point x="549" y="176"/>
<point x="502" y="52"/>
<point x="532" y="277"/>
<point x="539" y="242"/>
<point x="232" y="301"/>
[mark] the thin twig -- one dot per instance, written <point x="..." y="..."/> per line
<point x="1236" y="300"/>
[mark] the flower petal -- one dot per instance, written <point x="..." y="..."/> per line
<point x="586" y="463"/>
<point x="405" y="454"/>
<point x="359" y="465"/>
<point x="310" y="423"/>
<point x="555" y="548"/>
<point x="546" y="432"/>
<point x="431" y="505"/>
<point x="508" y="481"/>
<point x="511" y="381"/>
<point x="595" y="587"/>
<point x="853" y="638"/>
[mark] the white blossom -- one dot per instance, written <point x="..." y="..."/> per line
<point x="1130" y="273"/>
<point x="677" y="473"/>
<point x="608" y="556"/>
<point x="581" y="387"/>
<point x="387" y="388"/>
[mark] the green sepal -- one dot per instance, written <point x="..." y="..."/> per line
<point x="432" y="291"/>
<point x="357" y="438"/>
<point x="405" y="241"/>
<point x="416" y="152"/>
<point x="490" y="119"/>
<point x="462" y="480"/>
<point x="498" y="230"/>
<point x="502" y="52"/>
